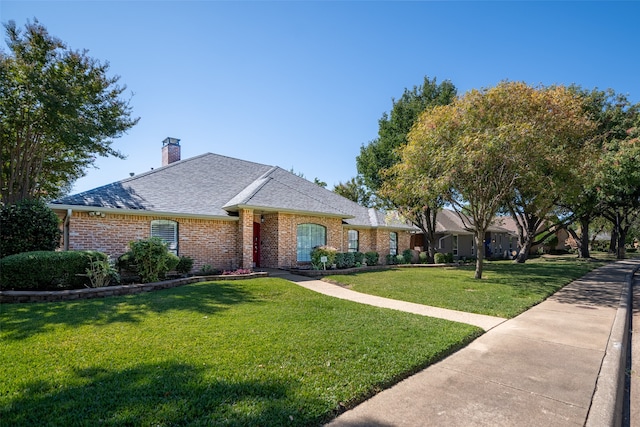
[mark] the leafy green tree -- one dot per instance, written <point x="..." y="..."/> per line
<point x="613" y="189"/>
<point x="380" y="155"/>
<point x="59" y="111"/>
<point x="355" y="190"/>
<point x="475" y="151"/>
<point x="27" y="226"/>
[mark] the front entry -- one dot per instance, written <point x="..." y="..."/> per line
<point x="256" y="244"/>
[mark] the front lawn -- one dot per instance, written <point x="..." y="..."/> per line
<point x="505" y="290"/>
<point x="244" y="353"/>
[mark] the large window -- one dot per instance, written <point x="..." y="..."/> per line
<point x="167" y="231"/>
<point x="393" y="243"/>
<point x="353" y="241"/>
<point x="310" y="236"/>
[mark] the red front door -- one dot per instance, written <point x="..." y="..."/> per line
<point x="256" y="244"/>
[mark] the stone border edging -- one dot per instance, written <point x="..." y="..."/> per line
<point x="607" y="399"/>
<point x="108" y="291"/>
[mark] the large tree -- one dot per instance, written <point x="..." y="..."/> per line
<point x="612" y="191"/>
<point x="477" y="150"/>
<point x="59" y="110"/>
<point x="381" y="155"/>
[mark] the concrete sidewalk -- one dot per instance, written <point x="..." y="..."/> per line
<point x="557" y="364"/>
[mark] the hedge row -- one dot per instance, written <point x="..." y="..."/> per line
<point x="47" y="270"/>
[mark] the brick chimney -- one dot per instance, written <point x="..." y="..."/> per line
<point x="170" y="151"/>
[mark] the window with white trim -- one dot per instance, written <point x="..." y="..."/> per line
<point x="308" y="237"/>
<point x="393" y="243"/>
<point x="352" y="237"/>
<point x="167" y="231"/>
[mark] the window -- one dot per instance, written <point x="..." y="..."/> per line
<point x="454" y="248"/>
<point x="353" y="241"/>
<point x="167" y="231"/>
<point x="393" y="243"/>
<point x="309" y="236"/>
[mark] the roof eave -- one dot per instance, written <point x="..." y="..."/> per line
<point x="138" y="212"/>
<point x="236" y="208"/>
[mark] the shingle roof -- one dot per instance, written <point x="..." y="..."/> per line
<point x="448" y="221"/>
<point x="215" y="185"/>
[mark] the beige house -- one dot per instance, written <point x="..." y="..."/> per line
<point x="227" y="213"/>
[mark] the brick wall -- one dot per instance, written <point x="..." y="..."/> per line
<point x="226" y="245"/>
<point x="212" y="242"/>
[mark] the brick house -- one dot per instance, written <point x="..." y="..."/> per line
<point x="227" y="213"/>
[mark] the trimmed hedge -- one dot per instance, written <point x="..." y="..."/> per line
<point x="371" y="258"/>
<point x="47" y="270"/>
<point x="28" y="226"/>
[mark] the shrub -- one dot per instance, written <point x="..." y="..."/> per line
<point x="345" y="260"/>
<point x="318" y="252"/>
<point x="391" y="260"/>
<point x="439" y="258"/>
<point x="184" y="265"/>
<point x="28" y="226"/>
<point x="47" y="270"/>
<point x="358" y="257"/>
<point x="423" y="257"/>
<point x="101" y="272"/>
<point x="152" y="259"/>
<point x="400" y="259"/>
<point x="407" y="256"/>
<point x="448" y="257"/>
<point x="371" y="258"/>
<point x="208" y="270"/>
<point x="340" y="260"/>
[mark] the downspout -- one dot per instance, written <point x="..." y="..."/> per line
<point x="65" y="230"/>
<point x="441" y="239"/>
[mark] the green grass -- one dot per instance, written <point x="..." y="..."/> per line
<point x="506" y="289"/>
<point x="243" y="353"/>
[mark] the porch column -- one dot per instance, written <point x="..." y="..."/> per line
<point x="245" y="237"/>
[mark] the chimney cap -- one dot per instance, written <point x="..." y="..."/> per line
<point x="171" y="141"/>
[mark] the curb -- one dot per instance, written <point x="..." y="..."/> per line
<point x="607" y="399"/>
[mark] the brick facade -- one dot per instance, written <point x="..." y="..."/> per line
<point x="223" y="244"/>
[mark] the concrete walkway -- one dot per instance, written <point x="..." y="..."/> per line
<point x="558" y="364"/>
<point x="480" y="320"/>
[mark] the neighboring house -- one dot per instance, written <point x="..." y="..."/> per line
<point x="562" y="235"/>
<point x="227" y="213"/>
<point x="453" y="236"/>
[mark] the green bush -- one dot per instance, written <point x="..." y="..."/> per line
<point x="407" y="256"/>
<point x="47" y="270"/>
<point x="151" y="258"/>
<point x="392" y="260"/>
<point x="28" y="226"/>
<point x="439" y="258"/>
<point x="371" y="258"/>
<point x="358" y="257"/>
<point x="318" y="252"/>
<point x="345" y="260"/>
<point x="340" y="260"/>
<point x="184" y="265"/>
<point x="423" y="257"/>
<point x="101" y="272"/>
<point x="448" y="257"/>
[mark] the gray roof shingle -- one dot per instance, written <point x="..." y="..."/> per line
<point x="215" y="185"/>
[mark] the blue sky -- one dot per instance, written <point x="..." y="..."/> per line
<point x="302" y="84"/>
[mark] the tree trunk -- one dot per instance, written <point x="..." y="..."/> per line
<point x="613" y="241"/>
<point x="583" y="246"/>
<point x="431" y="252"/>
<point x="523" y="253"/>
<point x="621" y="249"/>
<point x="480" y="258"/>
